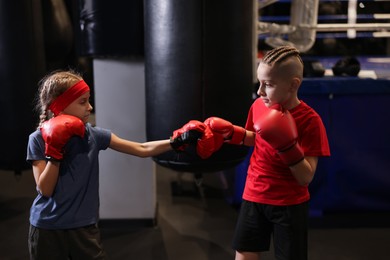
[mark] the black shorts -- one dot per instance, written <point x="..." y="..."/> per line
<point x="79" y="243"/>
<point x="288" y="225"/>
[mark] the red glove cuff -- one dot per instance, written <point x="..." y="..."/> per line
<point x="238" y="136"/>
<point x="207" y="144"/>
<point x="53" y="152"/>
<point x="292" y="155"/>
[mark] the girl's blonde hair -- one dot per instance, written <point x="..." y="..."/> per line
<point x="50" y="87"/>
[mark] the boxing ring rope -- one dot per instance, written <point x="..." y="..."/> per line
<point x="302" y="30"/>
<point x="333" y="27"/>
<point x="263" y="3"/>
<point x="286" y="18"/>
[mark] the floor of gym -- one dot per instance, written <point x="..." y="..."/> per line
<point x="191" y="228"/>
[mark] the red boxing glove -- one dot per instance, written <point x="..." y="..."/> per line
<point x="194" y="132"/>
<point x="186" y="135"/>
<point x="57" y="131"/>
<point x="278" y="128"/>
<point x="206" y="145"/>
<point x="224" y="131"/>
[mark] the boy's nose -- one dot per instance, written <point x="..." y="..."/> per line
<point x="260" y="91"/>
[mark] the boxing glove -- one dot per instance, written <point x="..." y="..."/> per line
<point x="224" y="131"/>
<point x="57" y="131"/>
<point x="187" y="134"/>
<point x="277" y="127"/>
<point x="207" y="145"/>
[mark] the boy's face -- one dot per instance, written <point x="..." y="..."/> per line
<point x="80" y="108"/>
<point x="275" y="87"/>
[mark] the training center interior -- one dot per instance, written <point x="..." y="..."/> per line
<point x="152" y="66"/>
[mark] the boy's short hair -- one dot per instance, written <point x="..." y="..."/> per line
<point x="280" y="54"/>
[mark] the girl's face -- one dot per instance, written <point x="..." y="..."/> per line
<point x="80" y="108"/>
<point x="274" y="88"/>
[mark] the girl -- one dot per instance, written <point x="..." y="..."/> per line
<point x="63" y="152"/>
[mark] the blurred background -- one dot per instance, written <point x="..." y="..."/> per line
<point x="153" y="65"/>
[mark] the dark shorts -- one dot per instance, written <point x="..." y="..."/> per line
<point x="287" y="224"/>
<point x="80" y="243"/>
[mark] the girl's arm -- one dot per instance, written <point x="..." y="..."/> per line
<point x="46" y="176"/>
<point x="147" y="149"/>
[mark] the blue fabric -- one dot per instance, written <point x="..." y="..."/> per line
<point x="356" y="176"/>
<point x="344" y="86"/>
<point x="75" y="201"/>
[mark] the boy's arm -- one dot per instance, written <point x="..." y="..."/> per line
<point x="278" y="128"/>
<point x="249" y="139"/>
<point x="304" y="170"/>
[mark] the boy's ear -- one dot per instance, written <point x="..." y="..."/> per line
<point x="295" y="83"/>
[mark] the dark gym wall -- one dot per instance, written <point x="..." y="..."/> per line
<point x="22" y="65"/>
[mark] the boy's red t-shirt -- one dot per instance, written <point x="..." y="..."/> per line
<point x="269" y="180"/>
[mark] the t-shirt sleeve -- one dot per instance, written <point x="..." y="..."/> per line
<point x="103" y="137"/>
<point x="35" y="147"/>
<point x="315" y="141"/>
<point x="249" y="120"/>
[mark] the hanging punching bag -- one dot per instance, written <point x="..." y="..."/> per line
<point x="198" y="63"/>
<point x="22" y="65"/>
<point x="110" y="28"/>
<point x="58" y="34"/>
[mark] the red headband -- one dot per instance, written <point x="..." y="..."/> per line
<point x="70" y="95"/>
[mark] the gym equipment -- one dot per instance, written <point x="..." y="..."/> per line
<point x="347" y="66"/>
<point x="302" y="30"/>
<point x="198" y="63"/>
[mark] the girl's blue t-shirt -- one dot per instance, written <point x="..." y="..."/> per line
<point x="75" y="201"/>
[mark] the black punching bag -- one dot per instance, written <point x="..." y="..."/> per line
<point x="22" y="65"/>
<point x="110" y="28"/>
<point x="58" y="34"/>
<point x="198" y="63"/>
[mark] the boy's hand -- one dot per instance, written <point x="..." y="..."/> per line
<point x="225" y="131"/>
<point x="57" y="131"/>
<point x="207" y="144"/>
<point x="277" y="127"/>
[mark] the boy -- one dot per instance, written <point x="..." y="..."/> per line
<point x="288" y="137"/>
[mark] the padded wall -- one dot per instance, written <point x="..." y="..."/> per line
<point x="356" y="175"/>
